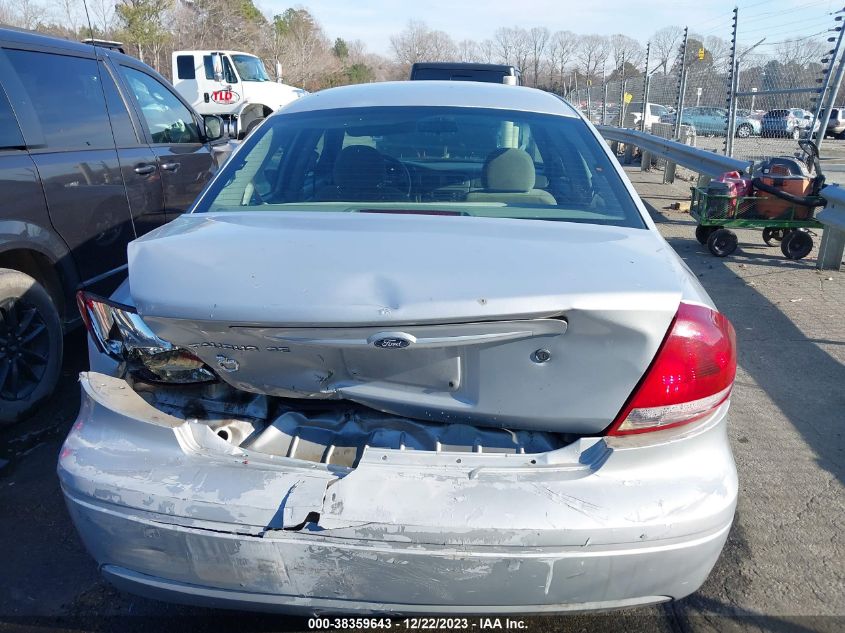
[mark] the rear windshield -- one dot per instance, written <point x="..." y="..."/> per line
<point x="451" y="161"/>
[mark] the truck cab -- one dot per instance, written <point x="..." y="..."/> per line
<point x="231" y="84"/>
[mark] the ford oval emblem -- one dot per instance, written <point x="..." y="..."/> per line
<point x="391" y="342"/>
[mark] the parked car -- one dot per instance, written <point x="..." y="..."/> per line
<point x="788" y="122"/>
<point x="634" y="115"/>
<point x="751" y="114"/>
<point x="713" y="121"/>
<point x="463" y="71"/>
<point x="836" y="123"/>
<point x="95" y="150"/>
<point x="425" y="352"/>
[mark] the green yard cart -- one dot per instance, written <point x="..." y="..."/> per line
<point x="716" y="215"/>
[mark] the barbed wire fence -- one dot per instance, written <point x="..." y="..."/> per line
<point x="743" y="86"/>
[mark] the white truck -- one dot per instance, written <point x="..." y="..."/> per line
<point x="232" y="85"/>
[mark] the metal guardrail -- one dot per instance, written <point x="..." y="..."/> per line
<point x="832" y="216"/>
<point x="832" y="246"/>
<point x="698" y="160"/>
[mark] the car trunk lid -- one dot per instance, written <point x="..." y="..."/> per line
<point x="497" y="322"/>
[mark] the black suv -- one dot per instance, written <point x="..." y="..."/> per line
<point x="95" y="149"/>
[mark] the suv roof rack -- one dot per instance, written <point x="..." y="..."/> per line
<point x="115" y="46"/>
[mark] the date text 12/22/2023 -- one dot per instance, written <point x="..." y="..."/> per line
<point x="421" y="623"/>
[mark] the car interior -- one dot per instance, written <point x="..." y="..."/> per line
<point x="476" y="163"/>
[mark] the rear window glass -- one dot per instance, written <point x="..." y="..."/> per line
<point x="66" y="96"/>
<point x="121" y="123"/>
<point x="456" y="161"/>
<point x="447" y="74"/>
<point x="185" y="67"/>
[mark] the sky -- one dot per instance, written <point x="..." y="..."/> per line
<point x="374" y="21"/>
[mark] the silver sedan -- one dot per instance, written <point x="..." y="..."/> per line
<point x="418" y="348"/>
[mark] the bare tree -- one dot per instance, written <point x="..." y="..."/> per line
<point x="561" y="50"/>
<point x="468" y="51"/>
<point x="663" y="43"/>
<point x="503" y="44"/>
<point x="68" y="12"/>
<point x="538" y="38"/>
<point x="512" y="46"/>
<point x="487" y="51"/>
<point x="719" y="49"/>
<point x="591" y="53"/>
<point x="800" y="52"/>
<point x="521" y="46"/>
<point x="26" y="14"/>
<point x="303" y="49"/>
<point x="626" y="50"/>
<point x="419" y="43"/>
<point x="102" y="15"/>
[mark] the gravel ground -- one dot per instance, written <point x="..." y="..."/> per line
<point x="782" y="569"/>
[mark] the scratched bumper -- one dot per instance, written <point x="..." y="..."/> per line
<point x="591" y="526"/>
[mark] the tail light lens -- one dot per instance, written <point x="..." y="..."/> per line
<point x="119" y="331"/>
<point x="691" y="375"/>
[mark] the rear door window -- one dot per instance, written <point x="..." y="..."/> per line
<point x="10" y="132"/>
<point x="124" y="131"/>
<point x="167" y="118"/>
<point x="66" y="96"/>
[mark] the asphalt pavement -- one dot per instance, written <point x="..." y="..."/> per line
<point x="783" y="568"/>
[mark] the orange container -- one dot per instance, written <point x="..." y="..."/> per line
<point x="770" y="206"/>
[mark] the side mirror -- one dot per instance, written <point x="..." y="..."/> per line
<point x="217" y="65"/>
<point x="213" y="127"/>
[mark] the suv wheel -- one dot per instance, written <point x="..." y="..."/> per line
<point x="796" y="133"/>
<point x="744" y="130"/>
<point x="30" y="345"/>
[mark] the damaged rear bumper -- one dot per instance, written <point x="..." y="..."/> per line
<point x="169" y="514"/>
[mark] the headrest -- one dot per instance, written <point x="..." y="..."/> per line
<point x="359" y="167"/>
<point x="508" y="169"/>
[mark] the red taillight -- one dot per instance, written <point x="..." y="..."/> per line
<point x="690" y="376"/>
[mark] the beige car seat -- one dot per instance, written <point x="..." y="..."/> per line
<point x="508" y="176"/>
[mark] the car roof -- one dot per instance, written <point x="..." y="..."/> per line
<point x="461" y="94"/>
<point x="13" y="35"/>
<point x="31" y="38"/>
